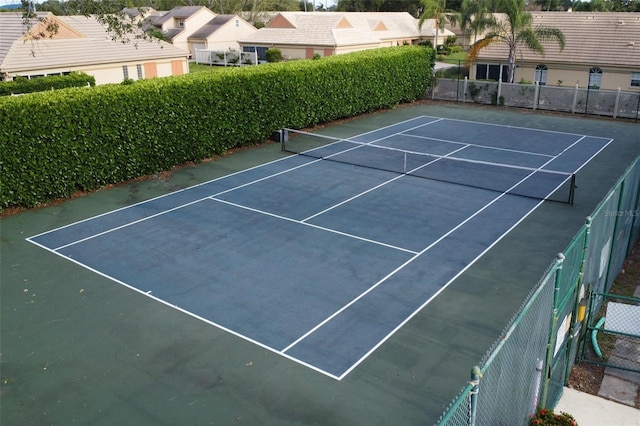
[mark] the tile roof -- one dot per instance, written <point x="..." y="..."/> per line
<point x="592" y="38"/>
<point x="211" y="27"/>
<point x="11" y="28"/>
<point x="336" y="28"/>
<point x="180" y="12"/>
<point x="91" y="45"/>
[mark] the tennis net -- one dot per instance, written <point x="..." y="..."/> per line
<point x="516" y="180"/>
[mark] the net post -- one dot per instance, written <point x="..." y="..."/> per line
<point x="283" y="136"/>
<point x="572" y="188"/>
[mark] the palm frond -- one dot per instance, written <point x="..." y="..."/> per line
<point x="550" y="34"/>
<point x="481" y="44"/>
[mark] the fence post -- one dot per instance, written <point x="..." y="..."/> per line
<point x="575" y="100"/>
<point x="580" y="303"/>
<point x="615" y="107"/>
<point x="616" y="228"/>
<point x="583" y="329"/>
<point x="552" y="330"/>
<point x="536" y="94"/>
<point x="536" y="386"/>
<point x="476" y="375"/>
<point x="464" y="93"/>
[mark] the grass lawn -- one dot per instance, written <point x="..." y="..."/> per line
<point x="193" y="67"/>
<point x="455" y="58"/>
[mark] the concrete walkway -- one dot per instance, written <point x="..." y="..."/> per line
<point x="591" y="410"/>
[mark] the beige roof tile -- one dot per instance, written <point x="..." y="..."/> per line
<point x="593" y="39"/>
<point x="93" y="46"/>
<point x="336" y="28"/>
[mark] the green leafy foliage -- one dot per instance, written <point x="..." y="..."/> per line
<point x="546" y="417"/>
<point x="23" y="85"/>
<point x="273" y="55"/>
<point x="57" y="142"/>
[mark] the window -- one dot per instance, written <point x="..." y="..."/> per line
<point x="635" y="79"/>
<point x="261" y="51"/>
<point x="491" y="72"/>
<point x="139" y="69"/>
<point x="541" y="74"/>
<point x="237" y="23"/>
<point x="125" y="72"/>
<point x="595" y="78"/>
<point x="181" y="23"/>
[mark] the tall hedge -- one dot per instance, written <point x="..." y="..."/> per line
<point x="55" y="143"/>
<point x="40" y="84"/>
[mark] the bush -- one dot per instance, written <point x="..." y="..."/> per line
<point x="58" y="142"/>
<point x="22" y="85"/>
<point x="273" y="55"/>
<point x="546" y="417"/>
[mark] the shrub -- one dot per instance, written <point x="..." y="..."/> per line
<point x="546" y="417"/>
<point x="273" y="55"/>
<point x="22" y="85"/>
<point x="58" y="142"/>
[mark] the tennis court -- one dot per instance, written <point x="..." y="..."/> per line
<point x="269" y="288"/>
<point x="321" y="257"/>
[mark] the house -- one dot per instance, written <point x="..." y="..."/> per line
<point x="602" y="51"/>
<point x="81" y="44"/>
<point x="181" y="22"/>
<point x="221" y="33"/>
<point x="301" y="35"/>
<point x="466" y="37"/>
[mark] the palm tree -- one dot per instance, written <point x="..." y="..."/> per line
<point x="436" y="9"/>
<point x="516" y="31"/>
<point x="475" y="15"/>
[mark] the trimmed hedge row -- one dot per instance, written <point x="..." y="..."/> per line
<point x="58" y="142"/>
<point x="41" y="84"/>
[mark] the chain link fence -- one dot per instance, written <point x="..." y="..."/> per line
<point x="529" y="364"/>
<point x="612" y="337"/>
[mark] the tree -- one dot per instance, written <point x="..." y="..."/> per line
<point x="126" y="30"/>
<point x="110" y="13"/>
<point x="516" y="31"/>
<point x="475" y="15"/>
<point x="411" y="6"/>
<point x="549" y="5"/>
<point x="437" y="10"/>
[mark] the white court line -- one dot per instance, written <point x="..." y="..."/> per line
<point x="288" y="219"/>
<point x="189" y="203"/>
<point x="178" y="207"/>
<point x="191" y="314"/>
<point x="514" y="127"/>
<point x="30" y="239"/>
<point x="399" y="268"/>
<point x="379" y="186"/>
<point x="475" y="145"/>
<point x="255" y="167"/>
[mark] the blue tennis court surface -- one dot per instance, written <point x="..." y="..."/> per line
<point x="322" y="261"/>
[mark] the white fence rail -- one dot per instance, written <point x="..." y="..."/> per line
<point x="226" y="58"/>
<point x="612" y="103"/>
